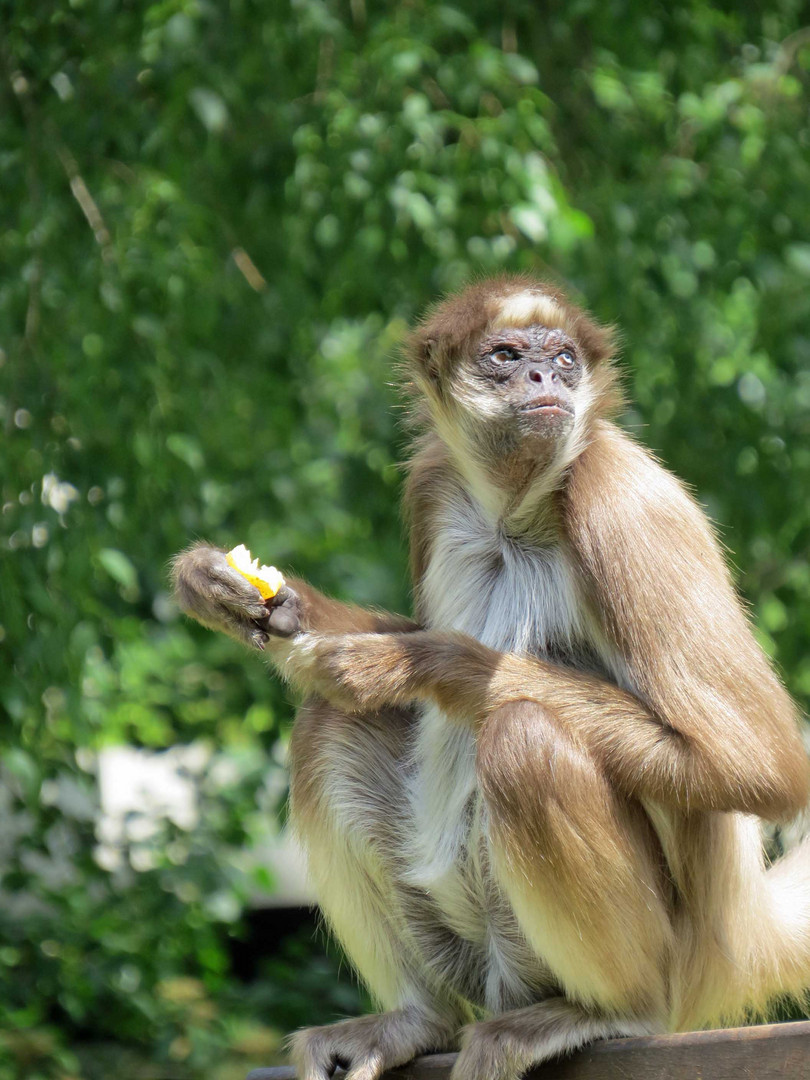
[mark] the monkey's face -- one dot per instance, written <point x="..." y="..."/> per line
<point x="513" y="376"/>
<point x="528" y="377"/>
<point x="516" y="395"/>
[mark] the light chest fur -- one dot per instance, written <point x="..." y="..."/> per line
<point x="511" y="596"/>
<point x="508" y="594"/>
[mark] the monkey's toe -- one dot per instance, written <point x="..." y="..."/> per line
<point x="480" y="1060"/>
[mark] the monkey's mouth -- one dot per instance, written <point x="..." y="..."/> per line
<point x="548" y="406"/>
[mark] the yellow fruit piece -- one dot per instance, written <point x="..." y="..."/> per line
<point x="266" y="579"/>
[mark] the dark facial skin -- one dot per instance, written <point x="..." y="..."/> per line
<point x="537" y="369"/>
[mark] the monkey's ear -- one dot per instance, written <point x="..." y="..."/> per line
<point x="424" y="352"/>
<point x="430" y="358"/>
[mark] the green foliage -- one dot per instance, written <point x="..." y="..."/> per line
<point x="217" y="222"/>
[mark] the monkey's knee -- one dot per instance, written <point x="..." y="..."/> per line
<point x="529" y="769"/>
<point x="550" y="803"/>
<point x="578" y="863"/>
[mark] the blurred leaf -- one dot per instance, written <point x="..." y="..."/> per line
<point x="119" y="567"/>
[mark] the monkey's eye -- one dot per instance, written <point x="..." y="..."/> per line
<point x="503" y="354"/>
<point x="565" y="359"/>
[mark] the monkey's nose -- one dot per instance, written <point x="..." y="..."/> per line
<point x="534" y="375"/>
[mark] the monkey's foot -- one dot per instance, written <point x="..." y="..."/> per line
<point x="508" y="1046"/>
<point x="491" y="1052"/>
<point x="368" y="1045"/>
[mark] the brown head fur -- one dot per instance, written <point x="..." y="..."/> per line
<point x="451" y="330"/>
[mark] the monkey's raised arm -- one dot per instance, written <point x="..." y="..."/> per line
<point x="216" y="595"/>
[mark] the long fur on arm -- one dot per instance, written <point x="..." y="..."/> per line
<point x="643" y="754"/>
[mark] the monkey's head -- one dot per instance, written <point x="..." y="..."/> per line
<point x="512" y="372"/>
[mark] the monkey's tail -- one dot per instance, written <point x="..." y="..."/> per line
<point x="745" y="934"/>
<point x="782" y="957"/>
<point x="780" y="951"/>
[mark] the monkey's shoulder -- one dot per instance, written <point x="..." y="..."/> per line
<point x="616" y="482"/>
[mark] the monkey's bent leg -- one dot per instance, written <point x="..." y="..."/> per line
<point x="581" y="867"/>
<point x="348" y="807"/>
<point x="506" y="1047"/>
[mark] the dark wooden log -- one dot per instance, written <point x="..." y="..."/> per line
<point x="767" y="1052"/>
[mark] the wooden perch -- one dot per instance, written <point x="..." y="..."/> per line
<point x="768" y="1052"/>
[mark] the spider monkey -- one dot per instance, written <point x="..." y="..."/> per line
<point x="531" y="812"/>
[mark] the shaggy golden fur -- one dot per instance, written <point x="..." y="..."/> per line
<point x="541" y="800"/>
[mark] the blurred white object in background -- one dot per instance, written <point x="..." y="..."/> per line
<point x="140" y="789"/>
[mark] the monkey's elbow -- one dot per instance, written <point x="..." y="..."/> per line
<point x="798" y="793"/>
<point x="789" y="792"/>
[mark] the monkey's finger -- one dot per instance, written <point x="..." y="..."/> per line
<point x="283" y="621"/>
<point x="259" y="639"/>
<point x="231" y="590"/>
<point x="246" y="612"/>
<point x="284" y="615"/>
<point x="233" y="583"/>
<point x="284" y="595"/>
<point x="228" y="589"/>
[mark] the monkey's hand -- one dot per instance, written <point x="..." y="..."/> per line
<point x="219" y="597"/>
<point x="359" y="672"/>
<point x="354" y="671"/>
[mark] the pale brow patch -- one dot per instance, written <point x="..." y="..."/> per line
<point x="530" y="309"/>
